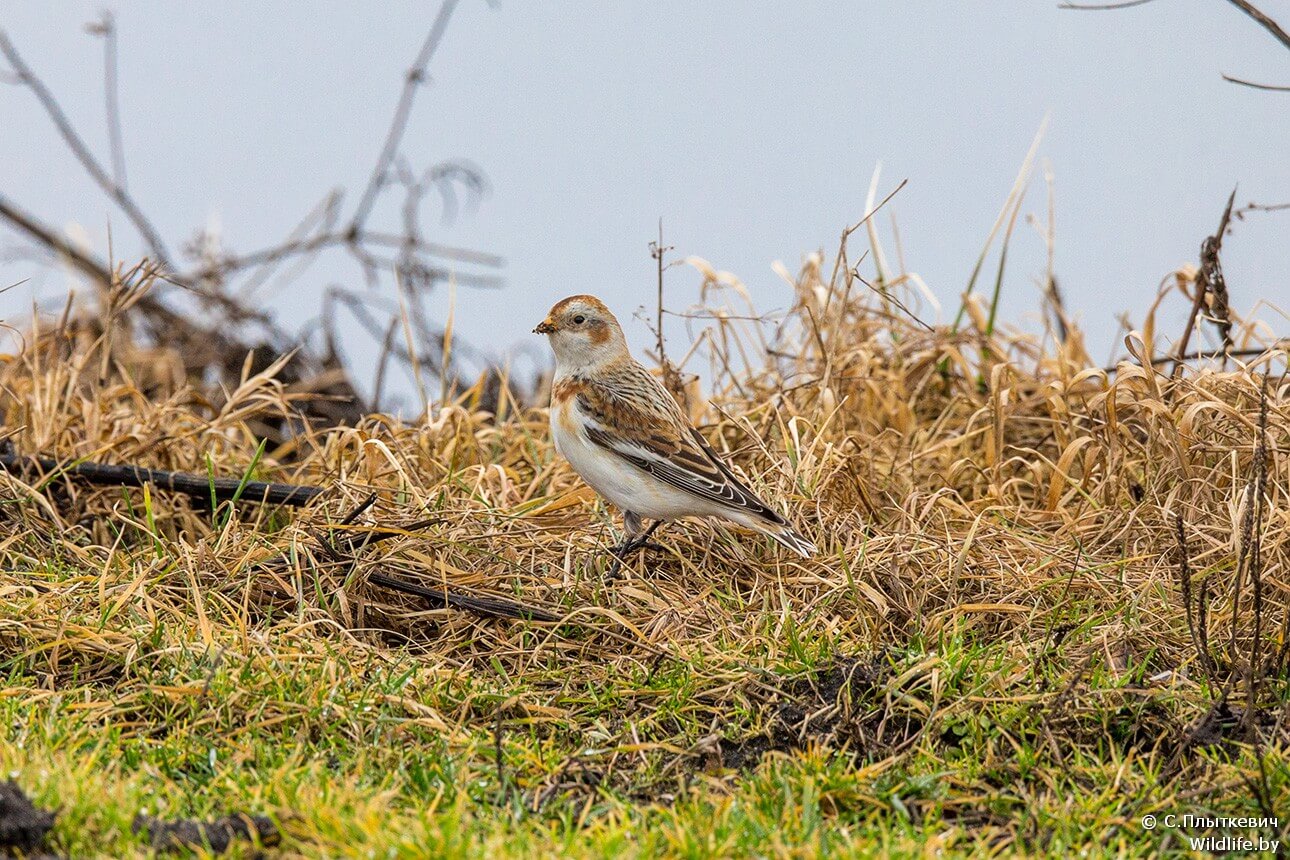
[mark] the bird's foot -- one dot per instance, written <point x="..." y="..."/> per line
<point x="621" y="551"/>
<point x="628" y="547"/>
<point x="641" y="540"/>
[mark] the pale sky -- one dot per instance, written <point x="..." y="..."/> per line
<point x="751" y="128"/>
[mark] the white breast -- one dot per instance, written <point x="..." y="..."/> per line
<point x="617" y="480"/>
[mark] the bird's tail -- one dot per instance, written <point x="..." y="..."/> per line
<point x="786" y="536"/>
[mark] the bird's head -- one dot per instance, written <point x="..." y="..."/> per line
<point x="583" y="334"/>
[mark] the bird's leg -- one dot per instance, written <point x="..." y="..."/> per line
<point x="634" y="538"/>
<point x="643" y="541"/>
<point x="631" y="528"/>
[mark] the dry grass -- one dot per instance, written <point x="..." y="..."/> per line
<point x="991" y="650"/>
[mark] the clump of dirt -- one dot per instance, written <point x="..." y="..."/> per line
<point x="842" y="706"/>
<point x="217" y="835"/>
<point x="744" y="754"/>
<point x="22" y="824"/>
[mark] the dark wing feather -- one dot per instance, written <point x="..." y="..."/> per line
<point x="635" y="418"/>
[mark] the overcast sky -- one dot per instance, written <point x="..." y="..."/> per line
<point x="751" y="128"/>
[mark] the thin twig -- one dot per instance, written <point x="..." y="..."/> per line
<point x="47" y="236"/>
<point x="323" y="241"/>
<point x="855" y="271"/>
<point x="657" y="251"/>
<point x="846" y="234"/>
<point x="221" y="344"/>
<point x="413" y="80"/>
<point x="671" y="374"/>
<point x="98" y="271"/>
<point x="1102" y="7"/>
<point x="321" y="219"/>
<point x="1261" y="207"/>
<point x="1269" y="87"/>
<point x="106" y="27"/>
<point x="1267" y="23"/>
<point x="79" y="149"/>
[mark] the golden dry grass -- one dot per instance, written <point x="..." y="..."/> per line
<point x="990" y="652"/>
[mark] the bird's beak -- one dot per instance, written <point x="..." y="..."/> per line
<point x="544" y="327"/>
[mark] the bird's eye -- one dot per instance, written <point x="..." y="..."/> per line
<point x="579" y="319"/>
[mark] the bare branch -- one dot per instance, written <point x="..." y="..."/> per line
<point x="106" y="27"/>
<point x="1244" y="5"/>
<point x="886" y="295"/>
<point x="1270" y="87"/>
<point x="363" y="316"/>
<point x="857" y="225"/>
<point x="292" y="248"/>
<point x="1267" y="23"/>
<point x="415" y="77"/>
<point x="78" y="147"/>
<point x="1102" y="7"/>
<point x="162" y="317"/>
<point x="657" y="250"/>
<point x="45" y="235"/>
<point x="1261" y="207"/>
<point x="321" y="219"/>
<point x="235" y="326"/>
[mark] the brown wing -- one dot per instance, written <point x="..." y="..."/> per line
<point x="631" y="415"/>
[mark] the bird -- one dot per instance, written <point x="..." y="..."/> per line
<point x="626" y="436"/>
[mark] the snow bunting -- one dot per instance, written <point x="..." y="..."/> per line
<point x="627" y="437"/>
